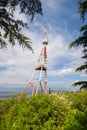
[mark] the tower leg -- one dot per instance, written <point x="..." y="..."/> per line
<point x="45" y="87"/>
<point x="45" y="82"/>
<point x="32" y="89"/>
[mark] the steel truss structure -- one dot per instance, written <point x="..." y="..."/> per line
<point x="41" y="67"/>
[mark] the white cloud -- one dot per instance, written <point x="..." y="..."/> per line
<point x="54" y="4"/>
<point x="83" y="75"/>
<point x="61" y="72"/>
<point x="20" y="64"/>
<point x="75" y="81"/>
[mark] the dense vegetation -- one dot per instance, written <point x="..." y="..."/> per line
<point x="63" y="111"/>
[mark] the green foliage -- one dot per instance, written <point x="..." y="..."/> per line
<point x="66" y="111"/>
<point x="76" y="120"/>
<point x="77" y="100"/>
<point x="11" y="26"/>
<point x="4" y="109"/>
<point x="45" y="112"/>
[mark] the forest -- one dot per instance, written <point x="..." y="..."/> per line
<point x="54" y="111"/>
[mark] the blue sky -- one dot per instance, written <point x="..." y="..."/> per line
<point x="63" y="25"/>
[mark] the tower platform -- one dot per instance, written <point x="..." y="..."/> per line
<point x="39" y="67"/>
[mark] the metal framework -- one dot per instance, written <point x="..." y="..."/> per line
<point x="42" y="68"/>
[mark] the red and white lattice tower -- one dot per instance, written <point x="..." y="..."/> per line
<point x="42" y="68"/>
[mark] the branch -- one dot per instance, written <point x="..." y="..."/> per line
<point x="82" y="10"/>
<point x="83" y="84"/>
<point x="81" y="41"/>
<point x="3" y="44"/>
<point x="82" y="68"/>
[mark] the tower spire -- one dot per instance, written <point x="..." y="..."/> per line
<point x="45" y="34"/>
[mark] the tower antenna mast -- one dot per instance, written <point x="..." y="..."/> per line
<point x="41" y="67"/>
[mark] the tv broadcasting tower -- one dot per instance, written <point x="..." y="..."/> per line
<point x="41" y="67"/>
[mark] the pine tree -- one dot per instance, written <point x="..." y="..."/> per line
<point x="82" y="42"/>
<point x="10" y="27"/>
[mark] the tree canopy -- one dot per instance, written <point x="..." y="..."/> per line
<point x="82" y="42"/>
<point x="10" y="27"/>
